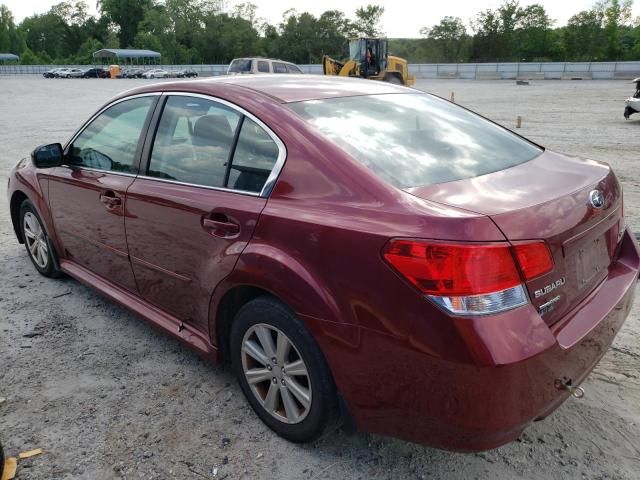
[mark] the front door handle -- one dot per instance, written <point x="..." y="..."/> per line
<point x="221" y="226"/>
<point x="110" y="199"/>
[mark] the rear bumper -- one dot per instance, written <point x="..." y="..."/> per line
<point x="409" y="394"/>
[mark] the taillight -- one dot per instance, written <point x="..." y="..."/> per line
<point x="469" y="279"/>
<point x="534" y="259"/>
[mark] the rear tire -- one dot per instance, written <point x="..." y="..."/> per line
<point x="394" y="80"/>
<point x="282" y="372"/>
<point x="37" y="241"/>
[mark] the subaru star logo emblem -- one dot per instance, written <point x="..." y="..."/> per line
<point x="596" y="199"/>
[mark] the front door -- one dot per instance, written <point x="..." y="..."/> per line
<point x="88" y="193"/>
<point x="195" y="210"/>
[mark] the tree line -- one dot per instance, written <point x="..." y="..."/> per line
<point x="204" y="31"/>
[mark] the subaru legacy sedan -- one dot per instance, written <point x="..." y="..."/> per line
<point x="362" y="253"/>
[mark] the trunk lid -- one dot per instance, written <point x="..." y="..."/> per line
<point x="548" y="198"/>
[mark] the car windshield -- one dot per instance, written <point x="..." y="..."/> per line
<point x="354" y="49"/>
<point x="413" y="140"/>
<point x="240" y="65"/>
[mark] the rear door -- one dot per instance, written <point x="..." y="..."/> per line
<point x="195" y="207"/>
<point x="87" y="194"/>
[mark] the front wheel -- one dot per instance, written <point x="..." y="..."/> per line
<point x="282" y="371"/>
<point x="37" y="242"/>
<point x="628" y="111"/>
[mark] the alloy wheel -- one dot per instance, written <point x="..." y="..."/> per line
<point x="276" y="373"/>
<point x="36" y="240"/>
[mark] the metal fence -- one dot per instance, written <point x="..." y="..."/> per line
<point x="478" y="71"/>
<point x="539" y="70"/>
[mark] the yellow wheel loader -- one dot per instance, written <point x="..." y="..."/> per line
<point x="368" y="58"/>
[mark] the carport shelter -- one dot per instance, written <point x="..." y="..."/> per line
<point x="8" y="57"/>
<point x="127" y="56"/>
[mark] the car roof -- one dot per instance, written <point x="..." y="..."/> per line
<point x="262" y="58"/>
<point x="285" y="88"/>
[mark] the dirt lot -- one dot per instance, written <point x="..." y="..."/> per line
<point x="107" y="396"/>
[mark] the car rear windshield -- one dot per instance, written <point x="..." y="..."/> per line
<point x="413" y="140"/>
<point x="240" y="65"/>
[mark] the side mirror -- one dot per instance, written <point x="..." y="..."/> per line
<point x="47" y="156"/>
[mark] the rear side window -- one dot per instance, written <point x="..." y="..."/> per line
<point x="413" y="140"/>
<point x="194" y="141"/>
<point x="254" y="158"/>
<point x="194" y="144"/>
<point x="111" y="140"/>
<point x="263" y="67"/>
<point x="293" y="69"/>
<point x="240" y="65"/>
<point x="279" y="67"/>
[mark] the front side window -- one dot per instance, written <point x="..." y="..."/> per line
<point x="263" y="66"/>
<point x="255" y="156"/>
<point x="279" y="67"/>
<point x="194" y="141"/>
<point x="413" y="140"/>
<point x="111" y="140"/>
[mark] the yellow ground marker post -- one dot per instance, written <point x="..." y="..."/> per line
<point x="10" y="467"/>
<point x="11" y="464"/>
<point x="30" y="453"/>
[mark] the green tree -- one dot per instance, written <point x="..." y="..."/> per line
<point x="616" y="16"/>
<point x="225" y="37"/>
<point x="487" y="40"/>
<point x="449" y="36"/>
<point x="156" y="32"/>
<point x="532" y="35"/>
<point x="367" y="21"/>
<point x="126" y="15"/>
<point x="11" y="39"/>
<point x="583" y="36"/>
<point x="46" y="33"/>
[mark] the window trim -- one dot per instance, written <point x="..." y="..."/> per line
<point x="152" y="130"/>
<point x="139" y="148"/>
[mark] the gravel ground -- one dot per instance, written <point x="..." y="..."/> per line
<point x="107" y="396"/>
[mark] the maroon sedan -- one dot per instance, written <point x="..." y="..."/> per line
<point x="362" y="253"/>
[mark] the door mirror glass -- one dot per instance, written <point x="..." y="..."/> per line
<point x="47" y="156"/>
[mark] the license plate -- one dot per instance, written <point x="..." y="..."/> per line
<point x="592" y="260"/>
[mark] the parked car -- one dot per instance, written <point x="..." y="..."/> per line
<point x="357" y="250"/>
<point x="96" y="73"/>
<point x="53" y="73"/>
<point x="136" y="73"/>
<point x="186" y="73"/>
<point x="155" y="73"/>
<point x="61" y="72"/>
<point x="261" y="65"/>
<point x="632" y="104"/>
<point x="71" y="73"/>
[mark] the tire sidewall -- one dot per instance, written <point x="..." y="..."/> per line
<point x="323" y="404"/>
<point x="50" y="269"/>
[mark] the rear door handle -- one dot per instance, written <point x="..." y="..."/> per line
<point x="221" y="226"/>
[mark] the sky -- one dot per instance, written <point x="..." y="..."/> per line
<point x="401" y="18"/>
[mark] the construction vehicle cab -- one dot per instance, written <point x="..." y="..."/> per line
<point x="369" y="58"/>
